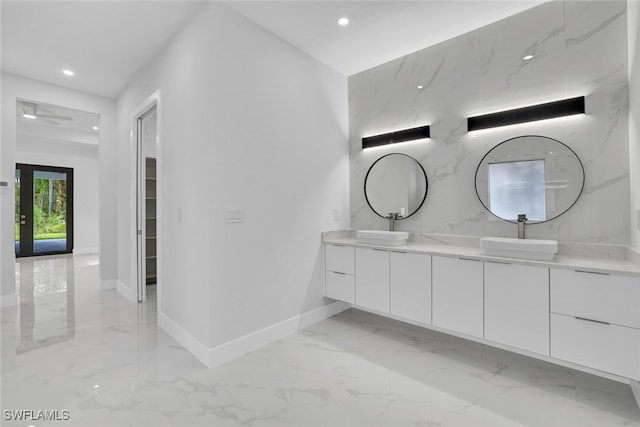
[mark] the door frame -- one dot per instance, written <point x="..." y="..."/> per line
<point x="28" y="231"/>
<point x="137" y="229"/>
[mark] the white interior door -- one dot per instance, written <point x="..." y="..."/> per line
<point x="146" y="125"/>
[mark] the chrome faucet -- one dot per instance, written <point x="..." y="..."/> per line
<point x="392" y="217"/>
<point x="522" y="221"/>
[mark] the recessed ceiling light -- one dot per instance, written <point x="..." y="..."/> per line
<point x="28" y="116"/>
<point x="343" y="21"/>
<point x="528" y="57"/>
<point x="420" y="86"/>
<point x="96" y="128"/>
<point x="68" y="72"/>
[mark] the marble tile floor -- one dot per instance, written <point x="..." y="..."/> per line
<point x="71" y="347"/>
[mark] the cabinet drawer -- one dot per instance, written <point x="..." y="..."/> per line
<point x="612" y="299"/>
<point x="610" y="348"/>
<point x="340" y="258"/>
<point x="340" y="286"/>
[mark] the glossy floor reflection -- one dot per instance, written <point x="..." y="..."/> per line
<point x="71" y="347"/>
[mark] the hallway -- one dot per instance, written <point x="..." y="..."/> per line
<point x="68" y="346"/>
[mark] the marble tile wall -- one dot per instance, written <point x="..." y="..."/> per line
<point x="579" y="48"/>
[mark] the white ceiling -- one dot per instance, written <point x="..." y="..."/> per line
<point x="107" y="42"/>
<point x="379" y="31"/>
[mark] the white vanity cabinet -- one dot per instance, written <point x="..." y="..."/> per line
<point x="372" y="279"/>
<point x="595" y="320"/>
<point x="410" y="285"/>
<point x="516" y="305"/>
<point x="579" y="318"/>
<point x="339" y="273"/>
<point x="458" y="295"/>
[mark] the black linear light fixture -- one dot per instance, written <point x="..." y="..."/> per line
<point x="397" y="136"/>
<point x="550" y="110"/>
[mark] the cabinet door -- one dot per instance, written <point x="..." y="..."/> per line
<point x="372" y="279"/>
<point x="458" y="294"/>
<point x="410" y="283"/>
<point x="516" y="306"/>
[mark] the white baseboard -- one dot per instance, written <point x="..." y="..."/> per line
<point x="126" y="291"/>
<point x="8" y="300"/>
<point x="105" y="285"/>
<point x="216" y="356"/>
<point x="236" y="348"/>
<point x="635" y="388"/>
<point x="188" y="341"/>
<point x="84" y="251"/>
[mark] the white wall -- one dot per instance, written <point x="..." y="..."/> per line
<point x="633" y="19"/>
<point x="579" y="47"/>
<point x="13" y="87"/>
<point x="83" y="158"/>
<point x="249" y="122"/>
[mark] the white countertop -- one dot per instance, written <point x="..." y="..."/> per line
<point x="572" y="262"/>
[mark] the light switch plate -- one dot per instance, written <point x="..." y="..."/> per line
<point x="233" y="215"/>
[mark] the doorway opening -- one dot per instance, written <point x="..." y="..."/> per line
<point x="146" y="126"/>
<point x="44" y="210"/>
<point x="67" y="141"/>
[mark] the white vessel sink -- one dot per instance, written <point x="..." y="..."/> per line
<point x="520" y="248"/>
<point x="382" y="238"/>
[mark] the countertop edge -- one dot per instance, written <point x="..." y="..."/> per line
<point x="597" y="265"/>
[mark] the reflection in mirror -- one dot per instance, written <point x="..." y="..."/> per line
<point x="395" y="183"/>
<point x="517" y="187"/>
<point x="532" y="175"/>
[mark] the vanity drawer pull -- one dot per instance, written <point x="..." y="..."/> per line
<point x="469" y="259"/>
<point x="499" y="262"/>
<point x="338" y="272"/>
<point x="398" y="252"/>
<point x="335" y="244"/>
<point x="591" y="320"/>
<point x="380" y="250"/>
<point x="591" y="272"/>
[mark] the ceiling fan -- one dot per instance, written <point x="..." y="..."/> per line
<point x="31" y="110"/>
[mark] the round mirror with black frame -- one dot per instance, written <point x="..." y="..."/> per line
<point x="396" y="183"/>
<point x="533" y="175"/>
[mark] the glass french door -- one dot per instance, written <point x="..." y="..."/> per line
<point x="44" y="210"/>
